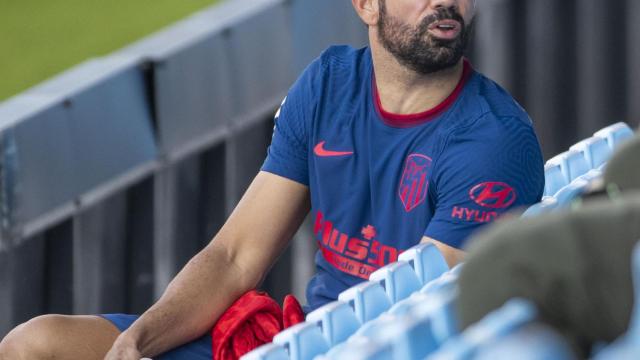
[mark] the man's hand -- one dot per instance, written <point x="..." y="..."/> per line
<point x="124" y="348"/>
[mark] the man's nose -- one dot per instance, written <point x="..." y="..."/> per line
<point x="436" y="4"/>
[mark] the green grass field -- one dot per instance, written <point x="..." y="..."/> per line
<point x="40" y="38"/>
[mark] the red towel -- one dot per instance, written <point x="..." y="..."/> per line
<point x="253" y="320"/>
<point x="292" y="311"/>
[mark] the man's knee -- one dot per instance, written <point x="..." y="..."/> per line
<point x="35" y="339"/>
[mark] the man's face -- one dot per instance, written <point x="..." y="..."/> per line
<point x="426" y="36"/>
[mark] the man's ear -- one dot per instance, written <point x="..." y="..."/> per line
<point x="368" y="10"/>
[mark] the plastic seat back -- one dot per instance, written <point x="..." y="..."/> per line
<point x="374" y="328"/>
<point x="595" y="150"/>
<point x="441" y="311"/>
<point x="592" y="175"/>
<point x="427" y="261"/>
<point x="336" y="320"/>
<point x="567" y="194"/>
<point x="359" y="348"/>
<point x="368" y="300"/>
<point x="398" y="279"/>
<point x="411" y="337"/>
<point x="548" y="204"/>
<point x="554" y="179"/>
<point x="576" y="164"/>
<point x="268" y="351"/>
<point x="303" y="341"/>
<point x="405" y="306"/>
<point x="513" y="315"/>
<point x="445" y="282"/>
<point x="572" y="165"/>
<point x="615" y="134"/>
<point x="531" y="342"/>
<point x="456" y="270"/>
<point x="410" y="334"/>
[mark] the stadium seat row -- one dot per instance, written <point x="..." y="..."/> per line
<point x="357" y="313"/>
<point x="588" y="154"/>
<point x="512" y="332"/>
<point x="569" y="174"/>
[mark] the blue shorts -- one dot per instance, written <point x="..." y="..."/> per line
<point x="199" y="349"/>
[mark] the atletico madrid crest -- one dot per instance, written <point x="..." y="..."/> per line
<point x="414" y="182"/>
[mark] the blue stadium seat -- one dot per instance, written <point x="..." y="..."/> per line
<point x="444" y="283"/>
<point x="303" y="341"/>
<point x="619" y="350"/>
<point x="548" y="203"/>
<point x="268" y="351"/>
<point x="592" y="175"/>
<point x="427" y="261"/>
<point x="554" y="179"/>
<point x="512" y="316"/>
<point x="398" y="279"/>
<point x="438" y="306"/>
<point x="532" y="342"/>
<point x="359" y="348"/>
<point x="441" y="311"/>
<point x="409" y="334"/>
<point x="602" y="167"/>
<point x="410" y="337"/>
<point x="418" y="329"/>
<point x="572" y="165"/>
<point x="456" y="270"/>
<point x="567" y="194"/>
<point x="374" y="328"/>
<point x="595" y="150"/>
<point x="405" y="306"/>
<point x="336" y="320"/>
<point x="615" y="134"/>
<point x="368" y="300"/>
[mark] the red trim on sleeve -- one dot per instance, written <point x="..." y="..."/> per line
<point x="408" y="120"/>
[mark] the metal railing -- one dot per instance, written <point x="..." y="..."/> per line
<point x="113" y="174"/>
<point x="116" y="172"/>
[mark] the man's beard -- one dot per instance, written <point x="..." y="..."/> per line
<point x="416" y="48"/>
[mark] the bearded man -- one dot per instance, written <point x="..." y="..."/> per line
<point x="390" y="145"/>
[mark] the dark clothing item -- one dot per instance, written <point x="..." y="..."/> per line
<point x="199" y="349"/>
<point x="575" y="266"/>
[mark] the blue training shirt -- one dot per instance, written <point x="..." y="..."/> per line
<point x="379" y="182"/>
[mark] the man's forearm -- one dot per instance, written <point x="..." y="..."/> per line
<point x="233" y="263"/>
<point x="192" y="303"/>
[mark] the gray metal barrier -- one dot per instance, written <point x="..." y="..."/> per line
<point x="115" y="173"/>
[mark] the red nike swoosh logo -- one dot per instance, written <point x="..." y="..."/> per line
<point x="322" y="152"/>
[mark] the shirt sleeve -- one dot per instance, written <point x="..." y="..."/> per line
<point x="485" y="170"/>
<point x="287" y="155"/>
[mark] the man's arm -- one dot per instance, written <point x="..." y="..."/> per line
<point x="452" y="255"/>
<point x="234" y="262"/>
